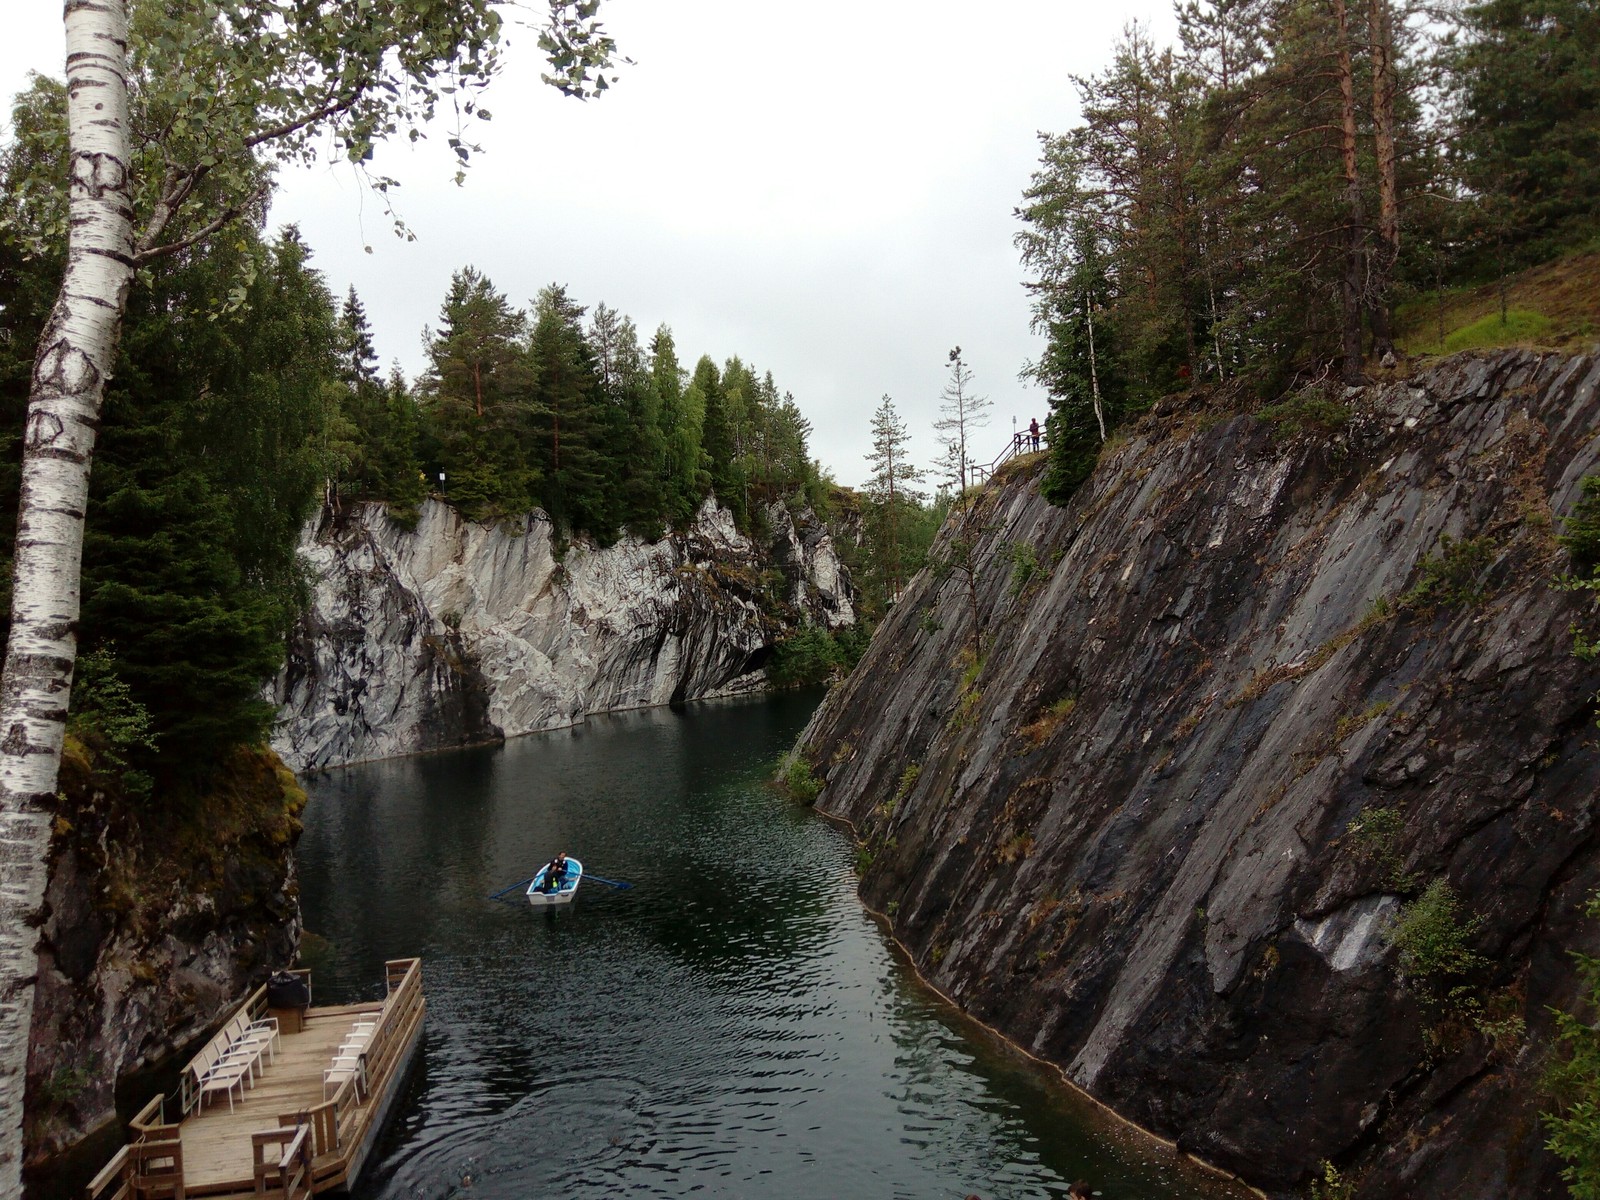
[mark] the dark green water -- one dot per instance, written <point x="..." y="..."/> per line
<point x="733" y="1026"/>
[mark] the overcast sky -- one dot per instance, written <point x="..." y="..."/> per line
<point x="827" y="194"/>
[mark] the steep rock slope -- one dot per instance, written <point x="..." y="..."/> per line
<point x="1236" y="705"/>
<point x="159" y="915"/>
<point x="455" y="632"/>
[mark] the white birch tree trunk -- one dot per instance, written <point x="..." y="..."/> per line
<point x="74" y="360"/>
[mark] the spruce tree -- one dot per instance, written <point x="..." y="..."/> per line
<point x="576" y="454"/>
<point x="682" y="425"/>
<point x="477" y="401"/>
<point x="1527" y="77"/>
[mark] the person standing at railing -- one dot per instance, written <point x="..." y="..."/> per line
<point x="1033" y="431"/>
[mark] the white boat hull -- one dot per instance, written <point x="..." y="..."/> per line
<point x="539" y="898"/>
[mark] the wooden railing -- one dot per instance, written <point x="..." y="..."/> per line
<point x="150" y="1118"/>
<point x="115" y="1180"/>
<point x="283" y="1166"/>
<point x="150" y="1165"/>
<point x="338" y="1122"/>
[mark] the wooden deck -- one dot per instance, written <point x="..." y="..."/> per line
<point x="213" y="1151"/>
<point x="216" y="1141"/>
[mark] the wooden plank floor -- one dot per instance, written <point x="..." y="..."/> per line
<point x="216" y="1142"/>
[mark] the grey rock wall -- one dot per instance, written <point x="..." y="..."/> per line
<point x="1132" y="843"/>
<point x="455" y="632"/>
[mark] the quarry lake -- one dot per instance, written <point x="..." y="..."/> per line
<point x="735" y="1025"/>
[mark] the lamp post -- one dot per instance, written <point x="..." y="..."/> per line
<point x="441" y="483"/>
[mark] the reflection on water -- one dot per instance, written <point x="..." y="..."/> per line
<point x="733" y="1026"/>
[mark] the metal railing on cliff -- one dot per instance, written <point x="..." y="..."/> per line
<point x="1022" y="442"/>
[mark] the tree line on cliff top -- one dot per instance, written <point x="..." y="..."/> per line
<point x="541" y="407"/>
<point x="1252" y="204"/>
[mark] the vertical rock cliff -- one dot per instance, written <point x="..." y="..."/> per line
<point x="455" y="632"/>
<point x="159" y="915"/>
<point x="1235" y="708"/>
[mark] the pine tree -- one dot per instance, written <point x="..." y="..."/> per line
<point x="890" y="491"/>
<point x="576" y="456"/>
<point x="963" y="412"/>
<point x="720" y="437"/>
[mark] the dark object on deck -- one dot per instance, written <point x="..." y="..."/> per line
<point x="287" y="991"/>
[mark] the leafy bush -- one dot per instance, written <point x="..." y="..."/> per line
<point x="1306" y="412"/>
<point x="1582" y="536"/>
<point x="1375" y="835"/>
<point x="1024" y="560"/>
<point x="1439" y="966"/>
<point x="1435" y="941"/>
<point x="815" y="656"/>
<point x="1453" y="575"/>
<point x="796" y="778"/>
<point x="1572" y="1083"/>
<point x="106" y="716"/>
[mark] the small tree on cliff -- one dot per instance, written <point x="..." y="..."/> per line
<point x="224" y="90"/>
<point x="890" y="490"/>
<point x="964" y="411"/>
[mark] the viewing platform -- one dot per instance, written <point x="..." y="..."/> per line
<point x="279" y="1102"/>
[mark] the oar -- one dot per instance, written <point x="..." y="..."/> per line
<point x="619" y="884"/>
<point x="514" y="887"/>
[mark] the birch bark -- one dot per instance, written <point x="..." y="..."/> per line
<point x="75" y="357"/>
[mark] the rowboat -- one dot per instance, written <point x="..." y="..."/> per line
<point x="562" y="894"/>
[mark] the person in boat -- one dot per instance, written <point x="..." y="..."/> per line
<point x="554" y="871"/>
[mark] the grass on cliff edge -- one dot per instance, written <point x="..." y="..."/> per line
<point x="1555" y="305"/>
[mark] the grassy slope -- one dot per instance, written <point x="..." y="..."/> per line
<point x="1555" y="305"/>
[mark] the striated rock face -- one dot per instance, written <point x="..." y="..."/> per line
<point x="1236" y="706"/>
<point x="157" y="921"/>
<point x="456" y="632"/>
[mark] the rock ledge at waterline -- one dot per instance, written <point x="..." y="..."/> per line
<point x="1142" y="837"/>
<point x="458" y="632"/>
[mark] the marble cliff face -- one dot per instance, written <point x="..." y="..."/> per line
<point x="454" y="632"/>
<point x="1235" y="707"/>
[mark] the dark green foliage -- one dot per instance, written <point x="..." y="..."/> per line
<point x="577" y="421"/>
<point x="1452" y="575"/>
<point x="210" y="458"/>
<point x="373" y="441"/>
<point x="578" y="435"/>
<point x="1377" y="836"/>
<point x="207" y="467"/>
<point x="1528" y="80"/>
<point x="1582" y="533"/>
<point x="1438" y="965"/>
<point x="1307" y="411"/>
<point x="795" y="777"/>
<point x="814" y="655"/>
<point x="1025" y="566"/>
<point x="724" y="411"/>
<point x="683" y="413"/>
<point x="477" y="402"/>
<point x="1250" y="204"/>
<point x="1572" y="1084"/>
